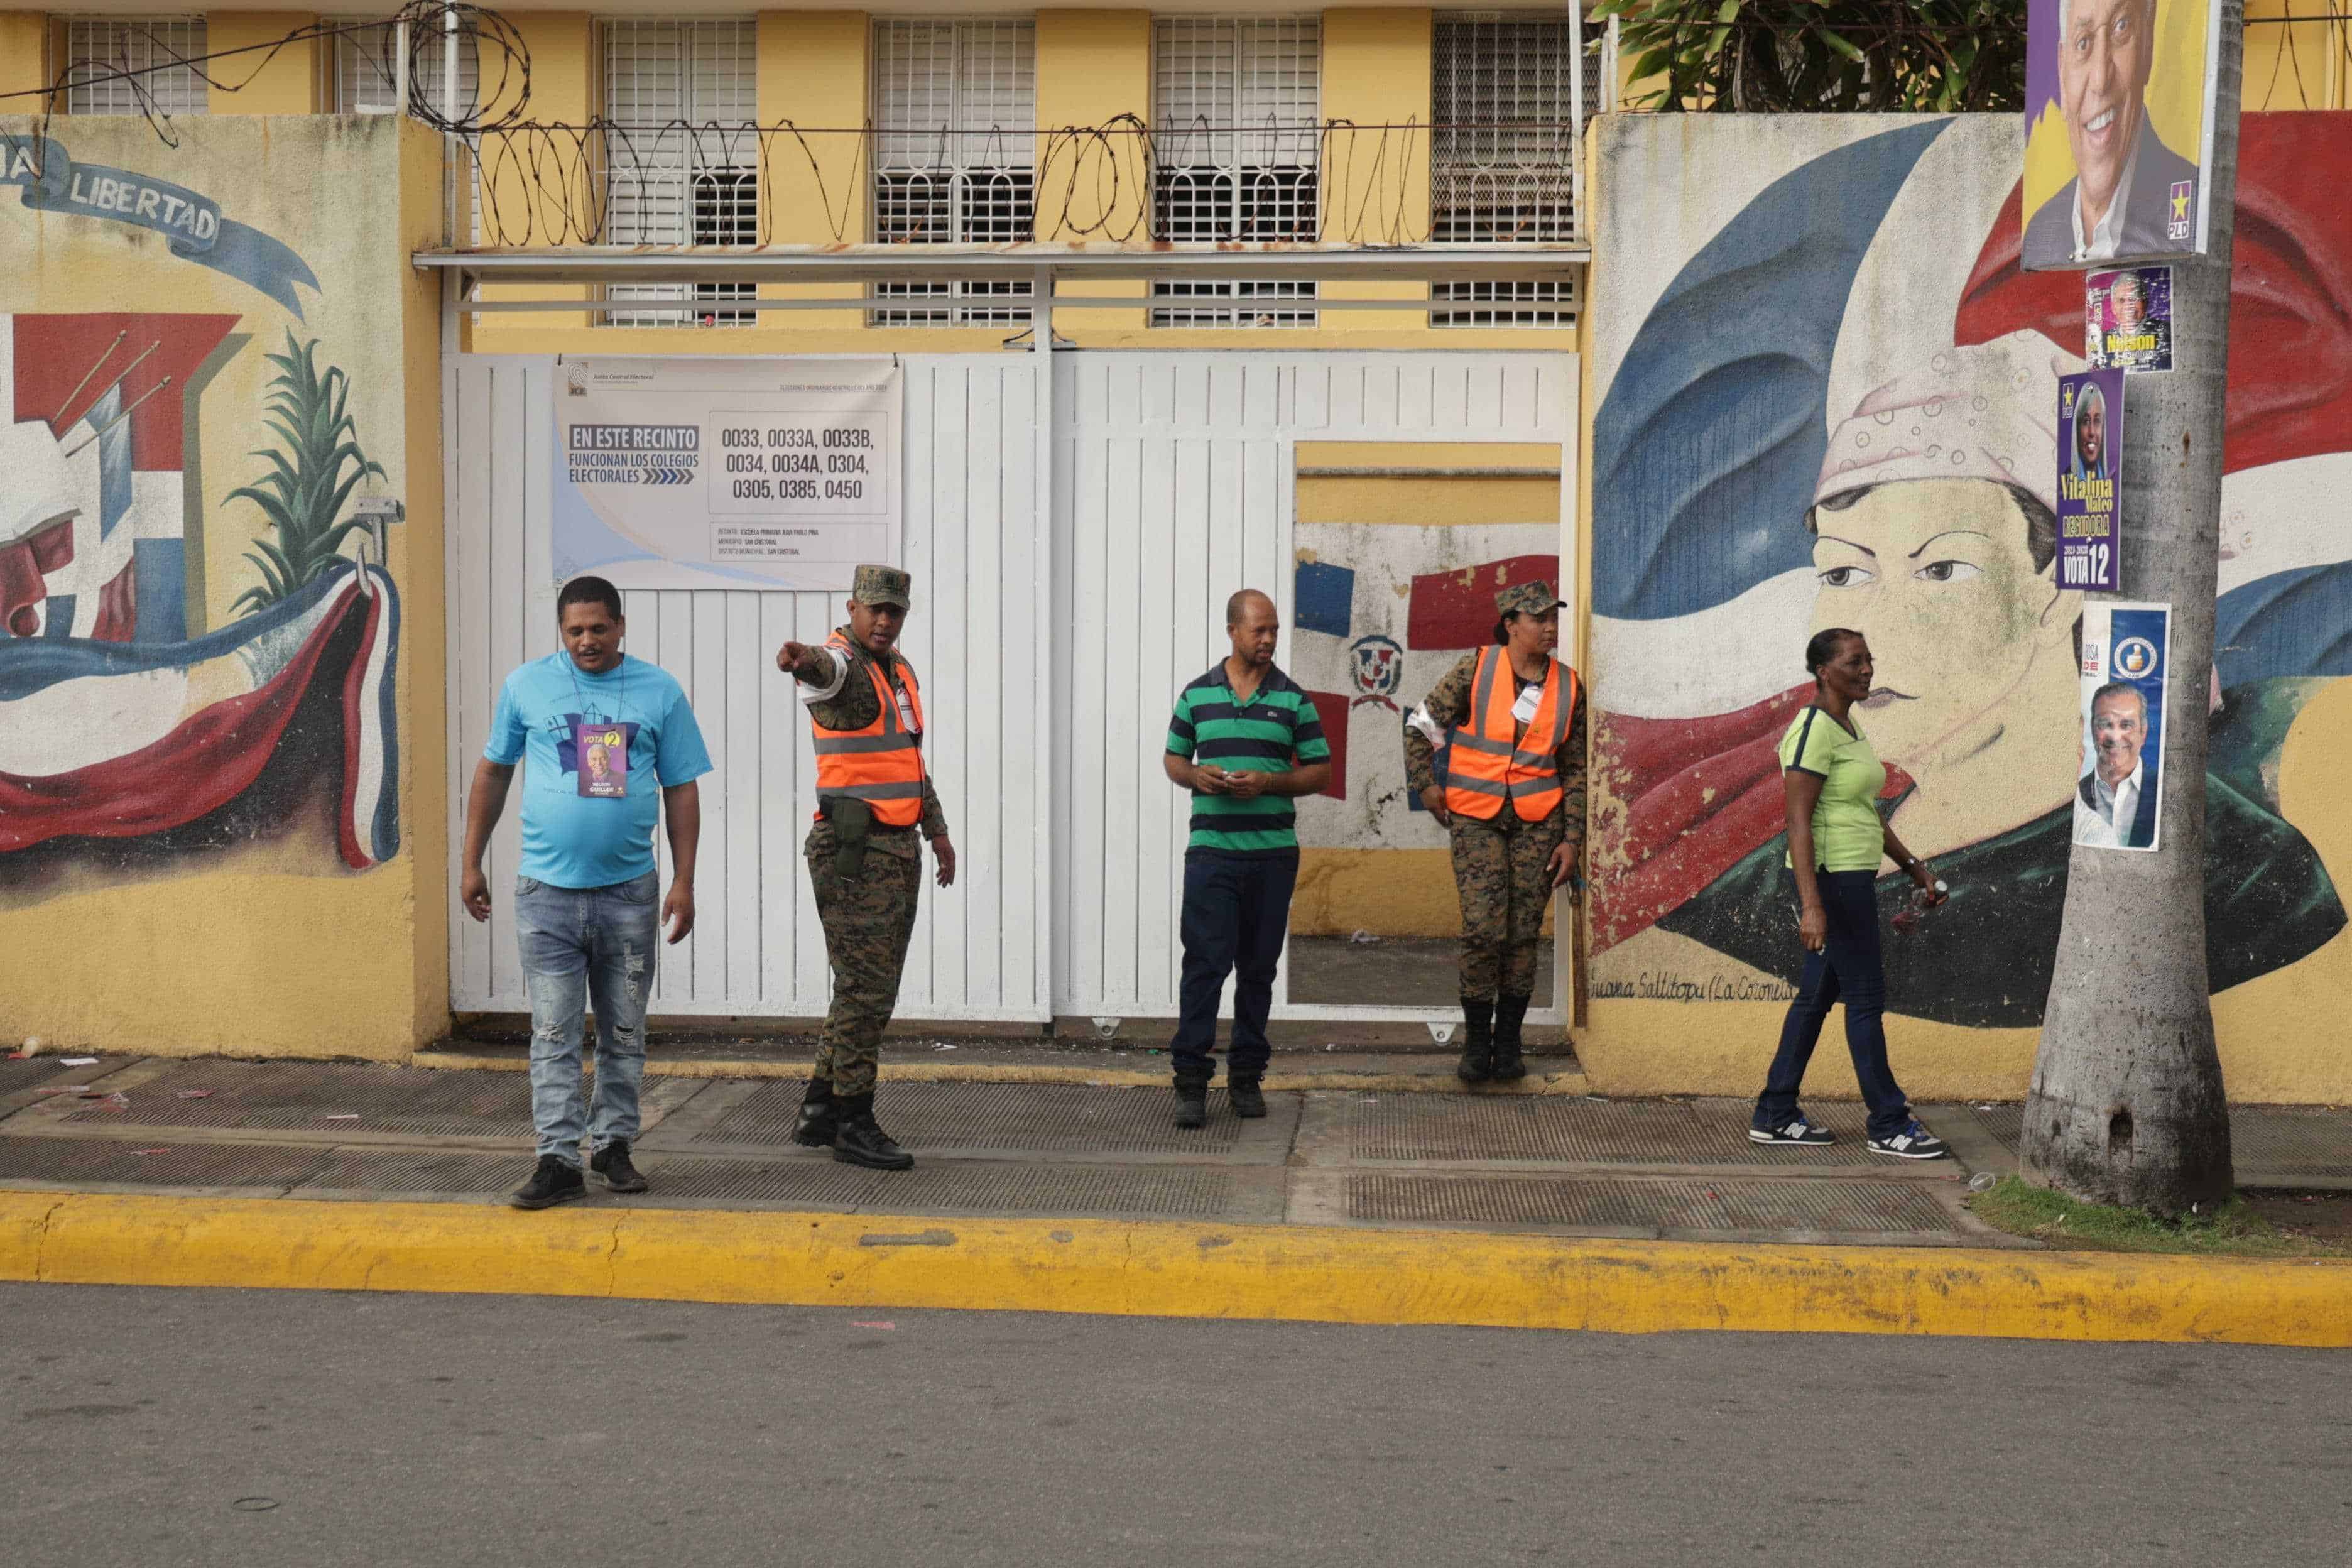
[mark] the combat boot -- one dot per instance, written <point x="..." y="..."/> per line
<point x="818" y="1116"/>
<point x="1477" y="1063"/>
<point x="1510" y="1012"/>
<point x="858" y="1139"/>
<point x="1191" y="1096"/>
<point x="1245" y="1096"/>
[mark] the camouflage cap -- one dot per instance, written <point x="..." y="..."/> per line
<point x="883" y="585"/>
<point x="1526" y="599"/>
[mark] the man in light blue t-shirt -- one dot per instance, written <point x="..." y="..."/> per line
<point x="608" y="744"/>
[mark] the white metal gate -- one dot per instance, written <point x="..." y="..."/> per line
<point x="1172" y="486"/>
<point x="979" y="561"/>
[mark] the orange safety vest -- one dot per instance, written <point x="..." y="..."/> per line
<point x="1490" y="759"/>
<point x="882" y="764"/>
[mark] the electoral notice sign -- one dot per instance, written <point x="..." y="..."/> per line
<point x="725" y="473"/>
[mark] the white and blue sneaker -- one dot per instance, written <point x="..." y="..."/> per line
<point x="1796" y="1130"/>
<point x="1913" y="1143"/>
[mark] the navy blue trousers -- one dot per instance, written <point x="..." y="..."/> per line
<point x="1236" y="914"/>
<point x="1846" y="970"/>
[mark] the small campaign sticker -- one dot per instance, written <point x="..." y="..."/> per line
<point x="2180" y="223"/>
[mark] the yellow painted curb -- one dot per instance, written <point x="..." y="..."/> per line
<point x="998" y="1072"/>
<point x="1118" y="1267"/>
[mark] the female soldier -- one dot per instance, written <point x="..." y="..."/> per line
<point x="1513" y="797"/>
<point x="1831" y="781"/>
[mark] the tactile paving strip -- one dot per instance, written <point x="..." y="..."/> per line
<point x="1027" y="1118"/>
<point x="286" y="1095"/>
<point x="1480" y="1128"/>
<point x="2273" y="1140"/>
<point x="1854" y="1208"/>
<point x="119" y="1161"/>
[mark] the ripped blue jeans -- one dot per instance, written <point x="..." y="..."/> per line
<point x="585" y="947"/>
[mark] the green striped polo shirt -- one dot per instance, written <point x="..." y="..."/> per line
<point x="1277" y="725"/>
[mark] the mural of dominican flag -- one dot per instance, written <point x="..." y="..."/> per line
<point x="115" y="724"/>
<point x="93" y="506"/>
<point x="1380" y="611"/>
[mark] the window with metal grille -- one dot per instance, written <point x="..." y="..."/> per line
<point x="152" y="46"/>
<point x="1236" y="107"/>
<point x="366" y="74"/>
<point x="1502" y="156"/>
<point x="955" y="110"/>
<point x="682" y="155"/>
<point x="365" y="69"/>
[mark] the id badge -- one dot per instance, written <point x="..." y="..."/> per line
<point x="906" y="720"/>
<point x="1530" y="698"/>
<point x="604" y="753"/>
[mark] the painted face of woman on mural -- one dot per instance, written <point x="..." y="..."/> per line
<point x="1958" y="596"/>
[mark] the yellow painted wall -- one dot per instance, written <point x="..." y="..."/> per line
<point x="1376" y="72"/>
<point x="265" y="945"/>
<point x="284" y="82"/>
<point x="1094" y="68"/>
<point x="2298" y="65"/>
<point x="527" y="183"/>
<point x="24" y="58"/>
<point x="816" y="69"/>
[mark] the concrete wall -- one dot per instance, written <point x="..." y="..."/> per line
<point x="222" y="790"/>
<point x="1755" y="281"/>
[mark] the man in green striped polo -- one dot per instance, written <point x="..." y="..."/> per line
<point x="1246" y="741"/>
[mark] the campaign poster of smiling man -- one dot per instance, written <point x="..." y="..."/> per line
<point x="2118" y="124"/>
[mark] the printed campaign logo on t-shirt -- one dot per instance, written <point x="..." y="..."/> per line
<point x="601" y="758"/>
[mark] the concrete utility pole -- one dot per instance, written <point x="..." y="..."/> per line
<point x="2127" y="1105"/>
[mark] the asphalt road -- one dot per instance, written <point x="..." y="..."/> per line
<point x="156" y="1427"/>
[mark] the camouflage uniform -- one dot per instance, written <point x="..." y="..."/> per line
<point x="866" y="921"/>
<point x="1501" y="865"/>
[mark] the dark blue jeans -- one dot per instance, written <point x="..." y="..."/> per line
<point x="1236" y="913"/>
<point x="1846" y="970"/>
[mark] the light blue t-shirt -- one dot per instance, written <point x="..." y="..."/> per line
<point x="595" y="831"/>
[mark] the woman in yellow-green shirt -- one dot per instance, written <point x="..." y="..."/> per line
<point x="1831" y="781"/>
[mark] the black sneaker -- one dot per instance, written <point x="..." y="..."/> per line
<point x="1246" y="1097"/>
<point x="611" y="1162"/>
<point x="553" y="1183"/>
<point x="1913" y="1142"/>
<point x="1796" y="1129"/>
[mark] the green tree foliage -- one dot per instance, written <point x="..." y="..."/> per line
<point x="1823" y="57"/>
<point x="313" y="471"/>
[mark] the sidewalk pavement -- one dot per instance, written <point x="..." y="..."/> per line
<point x="1370" y="1193"/>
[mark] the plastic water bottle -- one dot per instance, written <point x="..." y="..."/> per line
<point x="1906" y="919"/>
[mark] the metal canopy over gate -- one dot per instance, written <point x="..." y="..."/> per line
<point x="1072" y="537"/>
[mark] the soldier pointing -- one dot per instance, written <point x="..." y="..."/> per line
<point x="875" y="806"/>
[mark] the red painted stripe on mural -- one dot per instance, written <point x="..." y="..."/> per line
<point x="1456" y="609"/>
<point x="55" y="352"/>
<point x="202" y="766"/>
<point x="1332" y="710"/>
<point x="118" y="608"/>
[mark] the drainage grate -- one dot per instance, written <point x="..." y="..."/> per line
<point x="285" y="1095"/>
<point x="1030" y="1118"/>
<point x="114" y="1160"/>
<point x="1621" y="1133"/>
<point x="1853" y="1208"/>
<point x="2269" y="1142"/>
<point x="405" y="1171"/>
